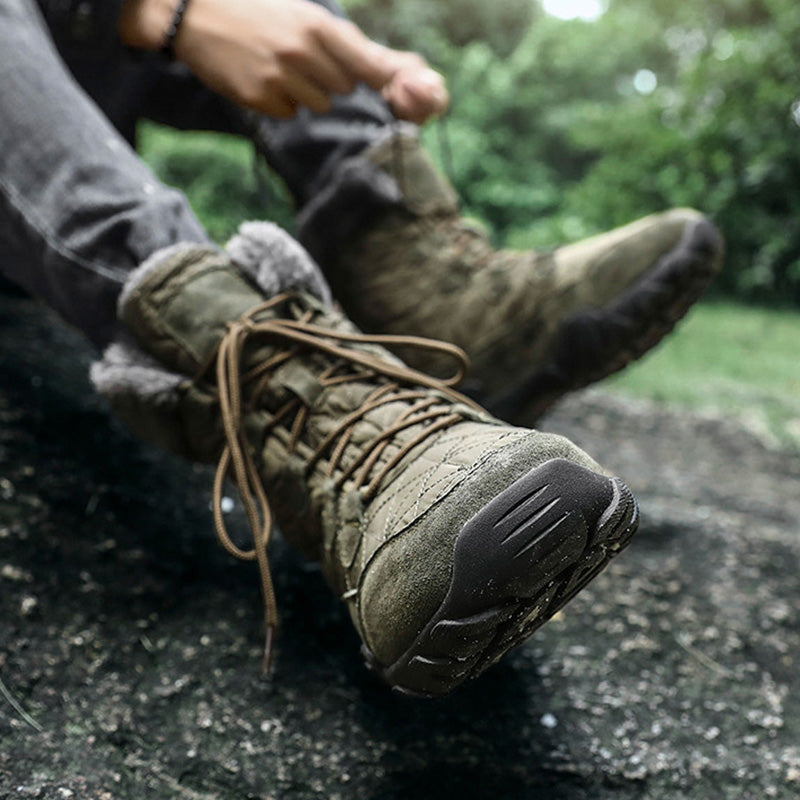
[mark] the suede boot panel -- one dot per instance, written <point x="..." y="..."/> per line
<point x="424" y="190"/>
<point x="179" y="312"/>
<point x="417" y="267"/>
<point x="418" y="557"/>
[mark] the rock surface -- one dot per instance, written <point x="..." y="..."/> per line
<point x="129" y="642"/>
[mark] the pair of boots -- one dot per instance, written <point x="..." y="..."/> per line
<point x="449" y="534"/>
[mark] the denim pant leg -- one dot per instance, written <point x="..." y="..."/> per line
<point x="78" y="208"/>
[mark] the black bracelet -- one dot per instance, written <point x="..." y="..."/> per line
<point x="168" y="45"/>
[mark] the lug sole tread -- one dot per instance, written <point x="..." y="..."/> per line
<point x="475" y="625"/>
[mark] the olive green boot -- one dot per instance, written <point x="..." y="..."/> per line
<point x="400" y="259"/>
<point x="450" y="536"/>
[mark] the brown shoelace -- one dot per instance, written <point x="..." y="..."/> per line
<point x="433" y="413"/>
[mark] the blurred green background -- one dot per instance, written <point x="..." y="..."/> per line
<point x="562" y="127"/>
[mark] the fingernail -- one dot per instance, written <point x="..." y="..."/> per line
<point x="431" y="78"/>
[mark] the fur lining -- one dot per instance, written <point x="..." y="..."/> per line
<point x="126" y="369"/>
<point x="275" y="261"/>
<point x="145" y="395"/>
<point x="141" y="390"/>
<point x="271" y="258"/>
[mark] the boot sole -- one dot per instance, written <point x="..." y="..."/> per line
<point x="593" y="344"/>
<point x="519" y="560"/>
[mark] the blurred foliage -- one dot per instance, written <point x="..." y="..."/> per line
<point x="220" y="176"/>
<point x="563" y="128"/>
<point x="560" y="129"/>
<point x="428" y="27"/>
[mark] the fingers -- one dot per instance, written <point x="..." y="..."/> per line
<point x="406" y="105"/>
<point x="309" y="75"/>
<point x="413" y="95"/>
<point x="279" y="106"/>
<point x="431" y="88"/>
<point x="360" y="57"/>
<point x="416" y="94"/>
<point x="281" y="92"/>
<point x="329" y="74"/>
<point x="303" y="92"/>
<point x="413" y="90"/>
<point x="334" y="55"/>
<point x="321" y="69"/>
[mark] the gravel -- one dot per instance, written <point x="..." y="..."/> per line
<point x="129" y="641"/>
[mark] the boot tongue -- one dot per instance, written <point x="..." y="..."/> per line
<point x="424" y="190"/>
<point x="178" y="305"/>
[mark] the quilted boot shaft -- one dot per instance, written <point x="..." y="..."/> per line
<point x="450" y="535"/>
<point x="535" y="324"/>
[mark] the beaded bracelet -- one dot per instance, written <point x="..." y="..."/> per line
<point x="168" y="44"/>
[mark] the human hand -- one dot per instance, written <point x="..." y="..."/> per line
<point x="415" y="92"/>
<point x="276" y="55"/>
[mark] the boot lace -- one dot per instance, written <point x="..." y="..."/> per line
<point x="433" y="413"/>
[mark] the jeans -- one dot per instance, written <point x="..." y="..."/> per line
<point x="78" y="208"/>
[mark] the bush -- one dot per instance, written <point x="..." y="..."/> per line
<point x="559" y="137"/>
<point x="220" y="176"/>
<point x="561" y="129"/>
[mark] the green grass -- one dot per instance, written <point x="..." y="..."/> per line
<point x="730" y="360"/>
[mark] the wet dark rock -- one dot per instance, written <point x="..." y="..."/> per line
<point x="129" y="641"/>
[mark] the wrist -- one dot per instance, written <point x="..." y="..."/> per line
<point x="143" y="24"/>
